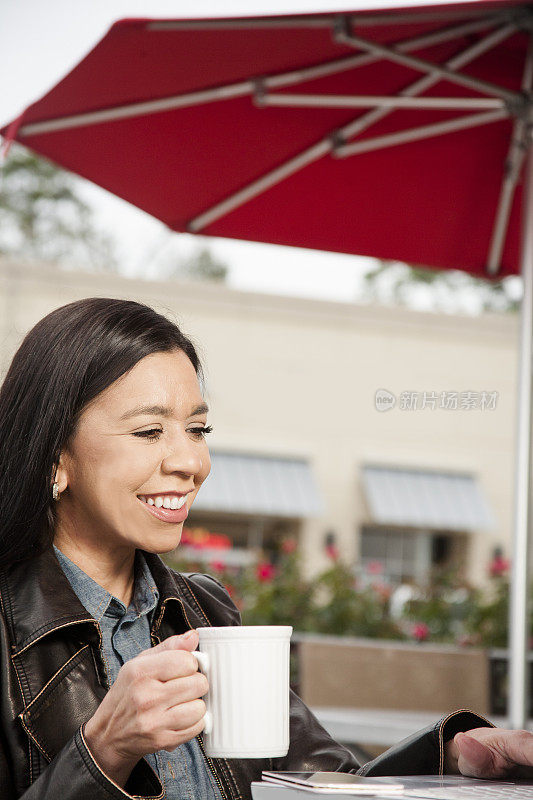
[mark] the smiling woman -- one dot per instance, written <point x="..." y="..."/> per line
<point x="102" y="449"/>
<point x="102" y="452"/>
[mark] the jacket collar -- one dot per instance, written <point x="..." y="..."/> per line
<point x="176" y="604"/>
<point x="37" y="598"/>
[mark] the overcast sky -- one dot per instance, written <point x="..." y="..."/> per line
<point x="41" y="41"/>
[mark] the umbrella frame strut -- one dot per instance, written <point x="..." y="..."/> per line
<point x="522" y="143"/>
<point x="515" y="158"/>
<point x="518" y="619"/>
<point x="343" y="36"/>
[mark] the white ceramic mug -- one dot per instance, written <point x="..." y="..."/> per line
<point x="248" y="699"/>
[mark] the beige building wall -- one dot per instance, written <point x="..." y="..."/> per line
<point x="298" y="377"/>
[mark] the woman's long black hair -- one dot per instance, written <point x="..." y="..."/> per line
<point x="64" y="362"/>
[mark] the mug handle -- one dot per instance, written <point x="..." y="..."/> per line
<point x="203" y="666"/>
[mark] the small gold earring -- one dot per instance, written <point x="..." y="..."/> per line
<point x="55" y="491"/>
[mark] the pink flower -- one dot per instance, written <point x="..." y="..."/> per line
<point x="332" y="551"/>
<point x="383" y="590"/>
<point x="498" y="566"/>
<point x="265" y="572"/>
<point x="374" y="568"/>
<point x="288" y="546"/>
<point x="217" y="566"/>
<point x="420" y="631"/>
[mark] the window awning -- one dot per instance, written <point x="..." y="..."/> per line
<point x="260" y="485"/>
<point x="426" y="499"/>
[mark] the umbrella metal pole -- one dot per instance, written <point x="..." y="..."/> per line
<point x="519" y="605"/>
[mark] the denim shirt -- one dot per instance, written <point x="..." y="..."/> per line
<point x="125" y="633"/>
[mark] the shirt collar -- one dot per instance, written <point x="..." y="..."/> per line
<point x="96" y="599"/>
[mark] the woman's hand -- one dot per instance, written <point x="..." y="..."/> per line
<point x="491" y="753"/>
<point x="154" y="704"/>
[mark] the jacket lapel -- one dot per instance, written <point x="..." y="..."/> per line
<point x="37" y="599"/>
<point x="68" y="700"/>
<point x="53" y="654"/>
<point x="177" y="612"/>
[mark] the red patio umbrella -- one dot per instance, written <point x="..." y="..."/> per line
<point x="398" y="134"/>
<point x="280" y="129"/>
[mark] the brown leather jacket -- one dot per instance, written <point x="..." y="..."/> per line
<point x="53" y="678"/>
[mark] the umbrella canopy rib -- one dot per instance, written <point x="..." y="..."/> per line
<point x="138" y="109"/>
<point x="255" y="188"/>
<point x="378" y="101"/>
<point x="416" y="134"/>
<point x="320" y="20"/>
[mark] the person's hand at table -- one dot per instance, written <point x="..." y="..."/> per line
<point x="490" y="753"/>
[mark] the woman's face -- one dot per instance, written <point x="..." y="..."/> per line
<point x="136" y="461"/>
